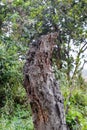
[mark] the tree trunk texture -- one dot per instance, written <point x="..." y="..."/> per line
<point x="41" y="86"/>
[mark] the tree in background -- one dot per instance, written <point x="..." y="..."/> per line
<point x="26" y="20"/>
<point x="31" y="19"/>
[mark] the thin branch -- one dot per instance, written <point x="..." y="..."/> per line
<point x="82" y="49"/>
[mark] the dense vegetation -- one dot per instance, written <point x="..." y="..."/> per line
<point x="21" y="21"/>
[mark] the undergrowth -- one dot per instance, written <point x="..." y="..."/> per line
<point x="16" y="113"/>
<point x="20" y="120"/>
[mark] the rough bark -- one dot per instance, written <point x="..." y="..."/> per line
<point x="41" y="86"/>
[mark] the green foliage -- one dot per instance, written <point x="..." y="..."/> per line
<point x="75" y="100"/>
<point x="8" y="61"/>
<point x="21" y="120"/>
<point x="11" y="78"/>
<point x="24" y="20"/>
<point x="76" y="106"/>
<point x="77" y="113"/>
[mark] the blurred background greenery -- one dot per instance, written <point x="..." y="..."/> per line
<point x="22" y="21"/>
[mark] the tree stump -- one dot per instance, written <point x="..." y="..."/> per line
<point x="41" y="86"/>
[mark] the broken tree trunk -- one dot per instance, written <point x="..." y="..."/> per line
<point x="41" y="86"/>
